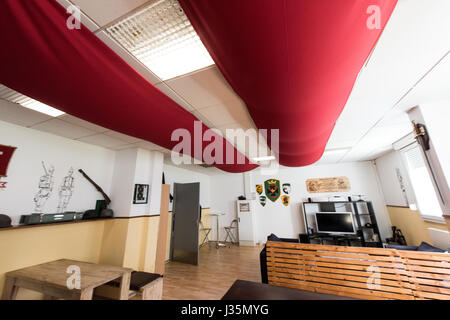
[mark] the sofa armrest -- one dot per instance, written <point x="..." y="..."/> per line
<point x="263" y="266"/>
<point x="290" y="240"/>
<point x="401" y="247"/>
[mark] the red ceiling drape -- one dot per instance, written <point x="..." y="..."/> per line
<point x="294" y="62"/>
<point x="73" y="71"/>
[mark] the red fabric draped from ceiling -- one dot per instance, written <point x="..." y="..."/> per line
<point x="73" y="71"/>
<point x="6" y="153"/>
<point x="294" y="62"/>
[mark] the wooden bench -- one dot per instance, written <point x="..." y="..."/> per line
<point x="143" y="286"/>
<point x="363" y="273"/>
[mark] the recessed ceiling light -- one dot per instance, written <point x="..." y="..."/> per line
<point x="162" y="38"/>
<point x="15" y="97"/>
<point x="336" y="151"/>
<point x="266" y="158"/>
<point x="43" y="108"/>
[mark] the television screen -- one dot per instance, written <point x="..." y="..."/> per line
<point x="336" y="222"/>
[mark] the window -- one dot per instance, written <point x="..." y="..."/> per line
<point x="425" y="194"/>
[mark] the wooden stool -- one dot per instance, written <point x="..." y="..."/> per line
<point x="143" y="286"/>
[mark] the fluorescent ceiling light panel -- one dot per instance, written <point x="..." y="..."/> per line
<point x="15" y="97"/>
<point x="266" y="158"/>
<point x="336" y="151"/>
<point x="43" y="108"/>
<point x="162" y="38"/>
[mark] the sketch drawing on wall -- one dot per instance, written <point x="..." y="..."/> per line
<point x="45" y="188"/>
<point x="66" y="191"/>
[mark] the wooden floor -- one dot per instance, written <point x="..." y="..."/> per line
<point x="215" y="274"/>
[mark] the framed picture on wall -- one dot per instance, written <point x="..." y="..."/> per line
<point x="244" y="207"/>
<point x="140" y="194"/>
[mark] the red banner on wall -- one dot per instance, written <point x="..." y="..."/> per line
<point x="6" y="153"/>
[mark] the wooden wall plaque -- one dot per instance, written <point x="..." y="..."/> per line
<point x="323" y="185"/>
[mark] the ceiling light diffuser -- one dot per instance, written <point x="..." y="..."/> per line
<point x="336" y="151"/>
<point x="15" y="97"/>
<point x="266" y="158"/>
<point x="162" y="38"/>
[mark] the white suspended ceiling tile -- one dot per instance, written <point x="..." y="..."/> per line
<point x="237" y="125"/>
<point x="174" y="96"/>
<point x="434" y="87"/>
<point x="103" y="140"/>
<point x="123" y="137"/>
<point x="63" y="129"/>
<point x="15" y="113"/>
<point x="203" y="119"/>
<point x="149" y="146"/>
<point x="377" y="141"/>
<point x="203" y="88"/>
<point x="82" y="123"/>
<point x="221" y="115"/>
<point x="106" y="11"/>
<point x="125" y="146"/>
<point x="330" y="158"/>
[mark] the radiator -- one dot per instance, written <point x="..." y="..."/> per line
<point x="440" y="238"/>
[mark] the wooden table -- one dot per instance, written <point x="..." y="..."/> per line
<point x="248" y="290"/>
<point x="51" y="279"/>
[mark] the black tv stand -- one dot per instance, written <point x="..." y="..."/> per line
<point x="338" y="240"/>
<point x="367" y="232"/>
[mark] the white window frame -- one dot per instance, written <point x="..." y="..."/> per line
<point x="424" y="216"/>
<point x="433" y="165"/>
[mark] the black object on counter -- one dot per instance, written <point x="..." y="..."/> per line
<point x="5" y="221"/>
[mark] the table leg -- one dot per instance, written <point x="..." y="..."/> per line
<point x="217" y="231"/>
<point x="10" y="289"/>
<point x="125" y="286"/>
<point x="87" y="294"/>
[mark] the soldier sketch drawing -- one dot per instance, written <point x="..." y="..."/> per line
<point x="66" y="191"/>
<point x="45" y="188"/>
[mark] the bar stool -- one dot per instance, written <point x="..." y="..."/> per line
<point x="206" y="232"/>
<point x="229" y="230"/>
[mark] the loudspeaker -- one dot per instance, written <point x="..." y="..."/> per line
<point x="91" y="214"/>
<point x="5" y="221"/>
<point x="106" y="213"/>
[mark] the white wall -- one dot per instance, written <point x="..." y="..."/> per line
<point x="122" y="187"/>
<point x="225" y="189"/>
<point x="136" y="166"/>
<point x="287" y="221"/>
<point x="386" y="167"/>
<point x="25" y="170"/>
<point x="175" y="174"/>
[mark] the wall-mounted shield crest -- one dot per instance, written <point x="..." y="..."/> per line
<point x="273" y="191"/>
<point x="287" y="188"/>
<point x="259" y="188"/>
<point x="285" y="200"/>
<point x="262" y="200"/>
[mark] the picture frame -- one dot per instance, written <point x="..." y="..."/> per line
<point x="141" y="193"/>
<point x="244" y="207"/>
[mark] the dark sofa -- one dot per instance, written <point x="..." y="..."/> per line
<point x="263" y="256"/>
<point x="422" y="247"/>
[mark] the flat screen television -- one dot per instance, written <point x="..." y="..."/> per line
<point x="335" y="222"/>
